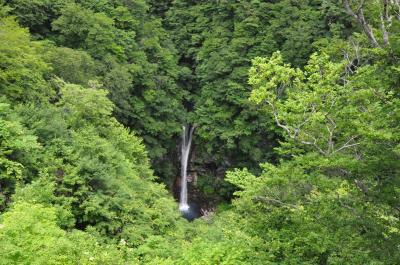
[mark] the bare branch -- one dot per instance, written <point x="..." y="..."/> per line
<point x="347" y="144"/>
<point x="275" y="113"/>
<point x="297" y="130"/>
<point x="397" y="3"/>
<point x="272" y="201"/>
<point x="294" y="135"/>
<point x="349" y="10"/>
<point x="361" y="185"/>
<point x="359" y="16"/>
<point x="330" y="138"/>
<point x="313" y="143"/>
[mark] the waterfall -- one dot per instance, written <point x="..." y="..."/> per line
<point x="185" y="151"/>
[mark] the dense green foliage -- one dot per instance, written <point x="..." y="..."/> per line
<point x="217" y="41"/>
<point x="121" y="47"/>
<point x="296" y="108"/>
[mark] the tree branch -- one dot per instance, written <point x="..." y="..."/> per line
<point x="359" y="16"/>
<point x="330" y="138"/>
<point x="275" y="113"/>
<point x="397" y="3"/>
<point x="347" y="145"/>
<point x="273" y="202"/>
<point x="314" y="143"/>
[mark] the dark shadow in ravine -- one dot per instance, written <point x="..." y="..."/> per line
<point x="192" y="213"/>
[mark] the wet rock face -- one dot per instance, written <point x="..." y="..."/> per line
<point x="192" y="178"/>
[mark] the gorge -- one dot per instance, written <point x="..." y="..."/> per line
<point x="275" y="121"/>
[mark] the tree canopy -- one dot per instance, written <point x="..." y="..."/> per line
<point x="295" y="107"/>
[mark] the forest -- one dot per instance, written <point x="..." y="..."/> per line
<point x="209" y="132"/>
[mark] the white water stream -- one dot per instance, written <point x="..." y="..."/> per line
<point x="185" y="151"/>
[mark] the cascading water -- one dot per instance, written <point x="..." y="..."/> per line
<point x="185" y="151"/>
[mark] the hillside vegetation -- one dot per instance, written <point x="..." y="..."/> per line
<point x="296" y="148"/>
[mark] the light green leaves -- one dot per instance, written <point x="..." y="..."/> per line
<point x="272" y="78"/>
<point x="23" y="70"/>
<point x="308" y="104"/>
